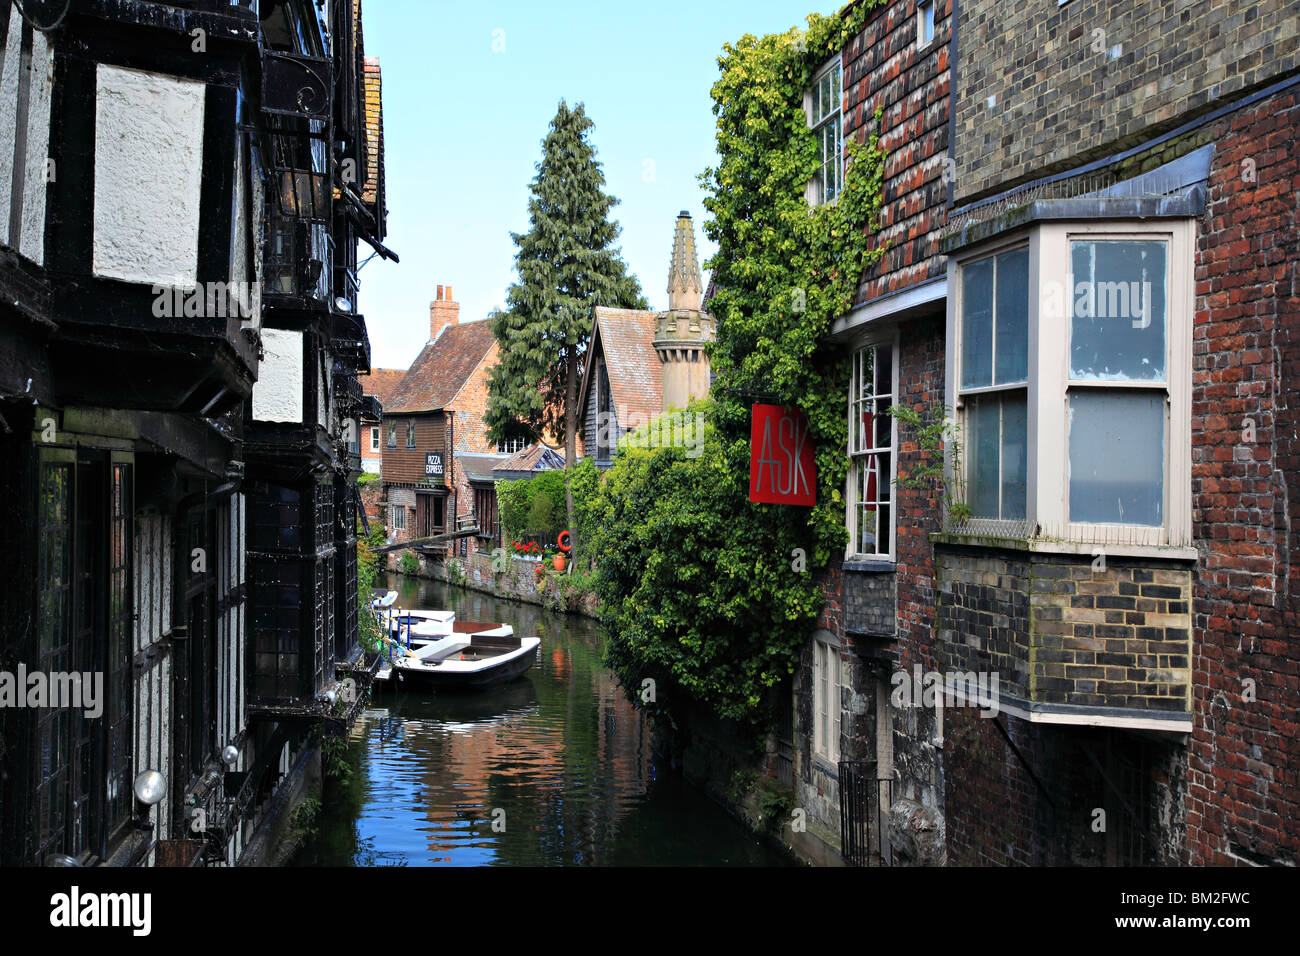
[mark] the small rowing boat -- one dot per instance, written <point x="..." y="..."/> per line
<point x="430" y="649"/>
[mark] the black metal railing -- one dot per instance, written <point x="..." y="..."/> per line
<point x="864" y="814"/>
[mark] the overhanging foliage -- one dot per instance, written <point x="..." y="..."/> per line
<point x="703" y="591"/>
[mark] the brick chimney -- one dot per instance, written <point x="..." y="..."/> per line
<point x="443" y="311"/>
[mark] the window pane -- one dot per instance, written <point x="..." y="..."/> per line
<point x="883" y="426"/>
<point x="997" y="449"/>
<point x="885" y="372"/>
<point x="977" y="325"/>
<point x="982" y="447"/>
<point x="1013" y="317"/>
<point x="1014" y="456"/>
<point x="1117" y="457"/>
<point x="1117" y="330"/>
<point x="867" y="530"/>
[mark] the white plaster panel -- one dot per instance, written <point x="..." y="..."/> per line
<point x="148" y="176"/>
<point x="9" y="114"/>
<point x="322" y="392"/>
<point x="278" y="392"/>
<point x="38" y="148"/>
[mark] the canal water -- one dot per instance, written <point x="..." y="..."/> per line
<point x="552" y="769"/>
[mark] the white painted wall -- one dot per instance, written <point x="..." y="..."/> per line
<point x="148" y="176"/>
<point x="324" y="394"/>
<point x="153" y="684"/>
<point x="32" y="242"/>
<point x="278" y="392"/>
<point x="9" y="115"/>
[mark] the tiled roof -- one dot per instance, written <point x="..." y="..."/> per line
<point x="626" y="339"/>
<point x="442" y="368"/>
<point x="370" y="190"/>
<point x="381" y="382"/>
<point x="533" y="458"/>
<point x="478" y="467"/>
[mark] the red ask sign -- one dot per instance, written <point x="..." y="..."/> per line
<point x="782" y="470"/>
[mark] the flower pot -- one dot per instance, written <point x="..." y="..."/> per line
<point x="557" y="562"/>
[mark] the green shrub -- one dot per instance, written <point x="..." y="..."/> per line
<point x="409" y="563"/>
<point x="697" y="584"/>
<point x="703" y="590"/>
<point x="532" y="505"/>
<point x="455" y="572"/>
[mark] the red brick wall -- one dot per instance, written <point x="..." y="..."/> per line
<point x="884" y="69"/>
<point x="921" y="385"/>
<point x="469" y="434"/>
<point x="1244" y="792"/>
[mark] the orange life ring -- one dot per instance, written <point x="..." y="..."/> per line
<point x="562" y="542"/>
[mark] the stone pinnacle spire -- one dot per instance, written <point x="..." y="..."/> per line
<point x="685" y="286"/>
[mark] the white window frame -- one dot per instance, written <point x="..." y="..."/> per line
<point x="1047" y="418"/>
<point x="827" y="699"/>
<point x="996" y="390"/>
<point x="511" y="446"/>
<point x="374" y="438"/>
<point x="815" y="191"/>
<point x="885" y="484"/>
<point x="925" y="17"/>
<point x="399" y="517"/>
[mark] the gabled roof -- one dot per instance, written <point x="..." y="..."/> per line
<point x="442" y="368"/>
<point x="625" y="337"/>
<point x="531" y="459"/>
<point x="381" y="382"/>
<point x="477" y="467"/>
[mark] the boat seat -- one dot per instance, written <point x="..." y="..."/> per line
<point x="440" y="650"/>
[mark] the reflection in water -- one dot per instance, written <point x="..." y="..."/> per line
<point x="551" y="769"/>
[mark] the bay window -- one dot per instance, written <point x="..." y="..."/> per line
<point x="1117" y="386"/>
<point x="870" y="514"/>
<point x="1070" y="376"/>
<point x="995" y="382"/>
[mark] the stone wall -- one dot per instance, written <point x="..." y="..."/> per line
<point x="1063" y="629"/>
<point x="518" y="582"/>
<point x="1042" y="87"/>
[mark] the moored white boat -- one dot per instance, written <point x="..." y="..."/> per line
<point x="465" y="661"/>
<point x="430" y="648"/>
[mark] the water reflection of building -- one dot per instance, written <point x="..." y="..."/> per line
<point x="565" y="768"/>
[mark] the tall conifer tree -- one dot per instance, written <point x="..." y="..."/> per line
<point x="567" y="265"/>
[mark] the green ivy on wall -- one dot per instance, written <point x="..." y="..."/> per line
<point x="702" y="591"/>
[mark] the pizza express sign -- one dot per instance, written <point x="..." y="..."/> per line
<point x="433" y="465"/>
<point x="782" y="469"/>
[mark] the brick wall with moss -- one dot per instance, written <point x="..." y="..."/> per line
<point x="1043" y="88"/>
<point x="1068" y="630"/>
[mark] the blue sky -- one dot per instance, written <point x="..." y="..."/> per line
<point x="469" y="89"/>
